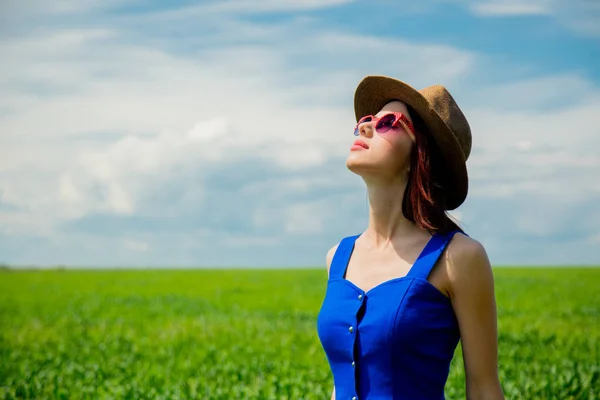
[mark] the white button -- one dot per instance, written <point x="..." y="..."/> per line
<point x="360" y="296"/>
<point x="353" y="363"/>
<point x="351" y="329"/>
<point x="354" y="398"/>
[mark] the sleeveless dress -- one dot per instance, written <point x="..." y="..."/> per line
<point x="394" y="341"/>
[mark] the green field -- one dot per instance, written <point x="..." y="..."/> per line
<point x="237" y="334"/>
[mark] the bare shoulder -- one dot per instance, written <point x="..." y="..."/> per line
<point x="465" y="248"/>
<point x="467" y="262"/>
<point x="329" y="256"/>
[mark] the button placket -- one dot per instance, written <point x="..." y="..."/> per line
<point x="360" y="297"/>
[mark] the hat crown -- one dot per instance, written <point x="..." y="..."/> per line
<point x="444" y="105"/>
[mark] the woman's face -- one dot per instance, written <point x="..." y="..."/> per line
<point x="387" y="153"/>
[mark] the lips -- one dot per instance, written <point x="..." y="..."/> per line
<point x="361" y="144"/>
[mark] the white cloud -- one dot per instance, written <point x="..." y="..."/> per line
<point x="511" y="7"/>
<point x="548" y="154"/>
<point x="541" y="93"/>
<point x="580" y="16"/>
<point x="594" y="239"/>
<point x="304" y="218"/>
<point x="135" y="245"/>
<point x="251" y="128"/>
<point x="113" y="180"/>
<point x="242" y="95"/>
<point x="57" y="7"/>
<point x="261" y="6"/>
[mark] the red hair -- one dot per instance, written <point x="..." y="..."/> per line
<point x="424" y="197"/>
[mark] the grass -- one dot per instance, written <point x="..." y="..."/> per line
<point x="237" y="334"/>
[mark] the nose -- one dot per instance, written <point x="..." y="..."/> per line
<point x="366" y="129"/>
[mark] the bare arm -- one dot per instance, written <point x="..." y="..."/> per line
<point x="474" y="303"/>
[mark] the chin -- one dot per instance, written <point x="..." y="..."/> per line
<point x="372" y="168"/>
<point x="351" y="161"/>
<point x="356" y="166"/>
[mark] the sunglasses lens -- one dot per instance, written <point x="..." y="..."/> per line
<point x="385" y="123"/>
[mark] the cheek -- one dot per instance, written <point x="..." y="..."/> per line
<point x="395" y="149"/>
<point x="399" y="143"/>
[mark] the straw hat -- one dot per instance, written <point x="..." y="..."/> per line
<point x="446" y="122"/>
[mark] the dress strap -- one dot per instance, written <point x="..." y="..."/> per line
<point x="430" y="254"/>
<point x="340" y="260"/>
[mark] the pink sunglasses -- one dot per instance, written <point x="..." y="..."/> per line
<point x="386" y="122"/>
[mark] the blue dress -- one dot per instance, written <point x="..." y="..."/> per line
<point x="394" y="341"/>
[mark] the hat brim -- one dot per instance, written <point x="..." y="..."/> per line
<point x="374" y="92"/>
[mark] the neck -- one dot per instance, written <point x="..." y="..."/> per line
<point x="386" y="221"/>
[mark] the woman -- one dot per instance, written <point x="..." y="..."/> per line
<point x="401" y="294"/>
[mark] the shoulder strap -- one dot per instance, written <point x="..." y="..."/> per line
<point x="430" y="254"/>
<point x="342" y="257"/>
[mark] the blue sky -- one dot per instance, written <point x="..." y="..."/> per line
<point x="215" y="133"/>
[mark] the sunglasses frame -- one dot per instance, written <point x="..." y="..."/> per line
<point x="399" y="117"/>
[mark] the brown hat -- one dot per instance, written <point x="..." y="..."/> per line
<point x="441" y="114"/>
